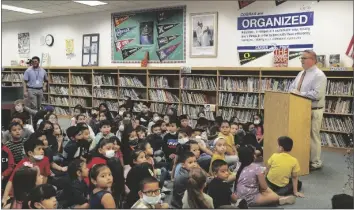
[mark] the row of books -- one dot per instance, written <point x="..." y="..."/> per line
<point x="112" y="105"/>
<point x="78" y="80"/>
<point x="63" y="101"/>
<point x="276" y="84"/>
<point x="12" y="77"/>
<point x="194" y="98"/>
<point x="335" y="87"/>
<point x="104" y="80"/>
<point x="193" y="111"/>
<point x="78" y="101"/>
<point x="249" y="84"/>
<point x="81" y="91"/>
<point x="129" y="93"/>
<point x="241" y="100"/>
<point x="17" y="84"/>
<point x="105" y="93"/>
<point x="243" y="116"/>
<point x="59" y="79"/>
<point x="201" y="83"/>
<point x="163" y="96"/>
<point x="159" y="82"/>
<point x="161" y="108"/>
<point x="339" y="106"/>
<point x="59" y="90"/>
<point x="130" y="82"/>
<point x="61" y="111"/>
<point x="335" y="139"/>
<point x="334" y="123"/>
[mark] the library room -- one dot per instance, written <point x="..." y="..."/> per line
<point x="153" y="104"/>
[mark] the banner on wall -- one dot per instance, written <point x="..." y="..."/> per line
<point x="242" y="4"/>
<point x="278" y="2"/>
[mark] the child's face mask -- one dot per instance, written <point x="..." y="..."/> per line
<point x="19" y="108"/>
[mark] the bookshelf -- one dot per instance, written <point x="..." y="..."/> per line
<point x="235" y="91"/>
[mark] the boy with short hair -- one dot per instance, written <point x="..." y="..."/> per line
<point x="19" y="111"/>
<point x="150" y="195"/>
<point x="105" y="132"/>
<point x="140" y="130"/>
<point x="184" y="124"/>
<point x="77" y="146"/>
<point x="35" y="155"/>
<point x="25" y="132"/>
<point x="283" y="169"/>
<point x="16" y="141"/>
<point x="170" y="142"/>
<point x="81" y="118"/>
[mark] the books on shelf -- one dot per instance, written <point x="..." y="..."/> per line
<point x="249" y="100"/>
<point x="60" y="79"/>
<point x="243" y="116"/>
<point x="161" y="108"/>
<point x="275" y="84"/>
<point x="200" y="83"/>
<point x="335" y="87"/>
<point x="130" y="82"/>
<point x="335" y="123"/>
<point x="62" y="101"/>
<point x="80" y="91"/>
<point x="78" y="80"/>
<point x="61" y="111"/>
<point x="123" y="92"/>
<point x="59" y="90"/>
<point x="17" y="84"/>
<point x="194" y="98"/>
<point x="112" y="105"/>
<point x="193" y="111"/>
<point x="104" y="80"/>
<point x="105" y="93"/>
<point x="338" y="106"/>
<point x="163" y="96"/>
<point x="335" y="140"/>
<point x="159" y="82"/>
<point x="249" y="84"/>
<point x="80" y="101"/>
<point x="16" y="77"/>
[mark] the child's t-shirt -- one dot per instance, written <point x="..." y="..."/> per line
<point x="248" y="185"/>
<point x="230" y="142"/>
<point x="281" y="166"/>
<point x="215" y="157"/>
<point x="220" y="191"/>
<point x="170" y="145"/>
<point x="44" y="166"/>
<point x="16" y="148"/>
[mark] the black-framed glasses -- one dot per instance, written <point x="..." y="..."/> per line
<point x="152" y="192"/>
<point x="304" y="58"/>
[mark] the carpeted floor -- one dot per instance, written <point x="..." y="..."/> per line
<point x="319" y="186"/>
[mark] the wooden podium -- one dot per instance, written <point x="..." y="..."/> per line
<point x="288" y="114"/>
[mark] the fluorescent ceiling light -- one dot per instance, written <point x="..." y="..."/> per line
<point x="19" y="9"/>
<point x="91" y="3"/>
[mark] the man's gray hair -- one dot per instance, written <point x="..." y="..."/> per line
<point x="312" y="53"/>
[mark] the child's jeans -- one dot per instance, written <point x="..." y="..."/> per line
<point x="286" y="190"/>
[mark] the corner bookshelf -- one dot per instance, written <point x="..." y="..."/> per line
<point x="235" y="92"/>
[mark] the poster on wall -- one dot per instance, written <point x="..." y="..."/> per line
<point x="90" y="49"/>
<point x="281" y="56"/>
<point x="160" y="32"/>
<point x="69" y="48"/>
<point x="24" y="44"/>
<point x="203" y="35"/>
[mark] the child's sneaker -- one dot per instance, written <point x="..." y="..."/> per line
<point x="287" y="200"/>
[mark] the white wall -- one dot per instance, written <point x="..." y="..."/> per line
<point x="332" y="31"/>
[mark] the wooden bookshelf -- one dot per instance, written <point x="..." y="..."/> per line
<point x="252" y="80"/>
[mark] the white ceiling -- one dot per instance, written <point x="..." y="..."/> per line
<point x="60" y="8"/>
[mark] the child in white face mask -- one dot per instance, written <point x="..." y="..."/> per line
<point x="150" y="195"/>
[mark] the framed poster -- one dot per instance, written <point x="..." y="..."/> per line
<point x="204" y="35"/>
<point x="161" y="32"/>
<point x="90" y="49"/>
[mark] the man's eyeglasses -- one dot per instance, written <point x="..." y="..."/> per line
<point x="152" y="192"/>
<point x="304" y="58"/>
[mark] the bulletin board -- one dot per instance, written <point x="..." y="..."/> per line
<point x="161" y="32"/>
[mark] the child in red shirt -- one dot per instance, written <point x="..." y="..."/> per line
<point x="7" y="165"/>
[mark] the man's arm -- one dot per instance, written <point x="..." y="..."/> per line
<point x="319" y="88"/>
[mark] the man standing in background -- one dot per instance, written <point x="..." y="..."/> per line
<point x="35" y="82"/>
<point x="311" y="83"/>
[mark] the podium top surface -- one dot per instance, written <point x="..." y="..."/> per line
<point x="288" y="93"/>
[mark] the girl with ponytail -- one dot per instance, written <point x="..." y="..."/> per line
<point x="250" y="183"/>
<point x="194" y="198"/>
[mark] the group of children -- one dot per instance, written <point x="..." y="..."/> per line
<point x="132" y="160"/>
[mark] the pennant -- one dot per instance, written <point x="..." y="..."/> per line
<point x="279" y="2"/>
<point x="161" y="29"/>
<point x="121" y="43"/>
<point x="121" y="31"/>
<point x="164" y="53"/>
<point x="162" y="41"/>
<point x="294" y="54"/>
<point x="145" y="61"/>
<point x="121" y="19"/>
<point x="246" y="57"/>
<point x="164" y="15"/>
<point x="129" y="51"/>
<point x="349" y="51"/>
<point x="243" y="4"/>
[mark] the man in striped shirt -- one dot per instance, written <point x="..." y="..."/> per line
<point x="15" y="143"/>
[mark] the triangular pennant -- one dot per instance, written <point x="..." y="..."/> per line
<point x="246" y="57"/>
<point x="164" y="15"/>
<point x="243" y="4"/>
<point x="162" y="41"/>
<point x="278" y="2"/>
<point x="294" y="54"/>
<point x="164" y="53"/>
<point x="121" y="43"/>
<point x="145" y="61"/>
<point x="129" y="51"/>
<point x="162" y="28"/>
<point x="121" y="31"/>
<point x="120" y="19"/>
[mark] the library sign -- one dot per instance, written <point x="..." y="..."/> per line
<point x="257" y="30"/>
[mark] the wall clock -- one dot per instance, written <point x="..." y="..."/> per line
<point x="49" y="40"/>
